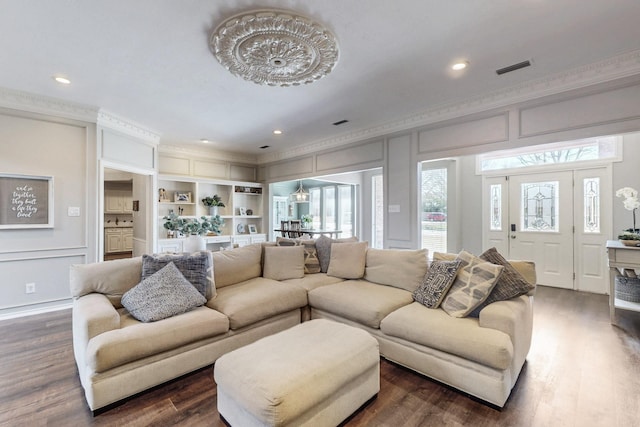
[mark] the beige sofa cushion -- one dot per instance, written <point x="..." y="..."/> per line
<point x="358" y="300"/>
<point x="256" y="299"/>
<point x="312" y="281"/>
<point x="462" y="337"/>
<point x="399" y="268"/>
<point x="136" y="340"/>
<point x="323" y="249"/>
<point x="237" y="265"/>
<point x="347" y="260"/>
<point x="112" y="278"/>
<point x="283" y="262"/>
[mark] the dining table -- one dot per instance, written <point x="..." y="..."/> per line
<point x="307" y="231"/>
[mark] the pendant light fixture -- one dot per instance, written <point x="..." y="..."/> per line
<point x="299" y="196"/>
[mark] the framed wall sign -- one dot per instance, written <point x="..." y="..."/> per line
<point x="26" y="201"/>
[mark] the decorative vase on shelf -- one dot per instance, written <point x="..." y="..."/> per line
<point x="213" y="210"/>
<point x="194" y="243"/>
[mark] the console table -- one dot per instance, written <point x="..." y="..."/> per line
<point x="620" y="257"/>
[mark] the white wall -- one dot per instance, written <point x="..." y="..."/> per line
<point x="626" y="174"/>
<point x="33" y="144"/>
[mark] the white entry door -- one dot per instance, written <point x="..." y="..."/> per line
<point x="559" y="220"/>
<point x="541" y="225"/>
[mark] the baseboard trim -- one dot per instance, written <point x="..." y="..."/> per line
<point x="33" y="310"/>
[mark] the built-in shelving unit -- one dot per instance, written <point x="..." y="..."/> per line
<point x="242" y="214"/>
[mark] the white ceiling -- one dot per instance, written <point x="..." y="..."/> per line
<point x="149" y="61"/>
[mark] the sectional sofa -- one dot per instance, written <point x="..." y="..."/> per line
<point x="259" y="290"/>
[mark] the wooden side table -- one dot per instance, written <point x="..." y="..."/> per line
<point x="620" y="257"/>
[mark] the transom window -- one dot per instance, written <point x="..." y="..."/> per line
<point x="579" y="151"/>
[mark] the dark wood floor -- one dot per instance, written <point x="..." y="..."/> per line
<point x="581" y="371"/>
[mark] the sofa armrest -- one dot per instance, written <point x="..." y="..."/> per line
<point x="513" y="317"/>
<point x="93" y="314"/>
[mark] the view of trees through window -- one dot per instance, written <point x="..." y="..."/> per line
<point x="564" y="152"/>
<point x="434" y="208"/>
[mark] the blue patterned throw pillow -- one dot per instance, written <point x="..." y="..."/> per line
<point x="436" y="283"/>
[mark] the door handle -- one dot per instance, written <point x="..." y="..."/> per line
<point x="513" y="236"/>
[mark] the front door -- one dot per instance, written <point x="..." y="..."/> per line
<point x="559" y="220"/>
<point x="541" y="225"/>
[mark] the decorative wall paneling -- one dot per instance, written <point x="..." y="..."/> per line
<point x="581" y="111"/>
<point x="352" y="158"/>
<point x="36" y="144"/>
<point x="186" y="164"/>
<point x="400" y="180"/>
<point x="123" y="149"/>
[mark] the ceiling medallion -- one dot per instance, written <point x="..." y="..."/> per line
<point x="275" y="47"/>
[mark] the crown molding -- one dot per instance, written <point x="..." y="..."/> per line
<point x="118" y="123"/>
<point x="25" y="101"/>
<point x="618" y="67"/>
<point x="208" y="154"/>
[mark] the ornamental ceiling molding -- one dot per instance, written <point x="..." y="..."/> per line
<point x="275" y="47"/>
<point x="608" y="70"/>
<point x="29" y="102"/>
<point x="118" y="123"/>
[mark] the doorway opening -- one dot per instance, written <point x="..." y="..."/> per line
<point x="126" y="214"/>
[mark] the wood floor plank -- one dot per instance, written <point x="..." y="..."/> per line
<point x="580" y="371"/>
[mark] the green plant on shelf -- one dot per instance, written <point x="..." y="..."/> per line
<point x="187" y="226"/>
<point x="213" y="201"/>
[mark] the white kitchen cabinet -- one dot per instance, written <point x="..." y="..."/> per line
<point x="118" y="240"/>
<point x="118" y="201"/>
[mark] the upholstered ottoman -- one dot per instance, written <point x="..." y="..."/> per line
<point x="316" y="373"/>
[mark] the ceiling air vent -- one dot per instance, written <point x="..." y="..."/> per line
<point x="513" y="67"/>
<point x="341" y="122"/>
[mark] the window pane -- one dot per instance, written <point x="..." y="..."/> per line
<point x="496" y="207"/>
<point x="434" y="209"/>
<point x="564" y="152"/>
<point x="540" y="206"/>
<point x="592" y="205"/>
<point x="377" y="214"/>
<point x="346" y="210"/>
<point x="314" y="207"/>
<point x="329" y="208"/>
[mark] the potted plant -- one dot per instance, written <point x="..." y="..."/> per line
<point x="193" y="228"/>
<point x="173" y="224"/>
<point x="306" y="220"/>
<point x="213" y="203"/>
<point x="630" y="236"/>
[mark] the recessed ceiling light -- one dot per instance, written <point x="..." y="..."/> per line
<point x="62" y="80"/>
<point x="459" y="66"/>
<point x="277" y="132"/>
<point x="204" y="141"/>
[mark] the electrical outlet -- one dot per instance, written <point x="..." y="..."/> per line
<point x="30" y="288"/>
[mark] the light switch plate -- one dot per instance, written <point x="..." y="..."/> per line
<point x="73" y="211"/>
